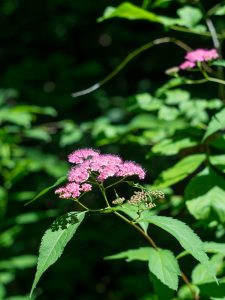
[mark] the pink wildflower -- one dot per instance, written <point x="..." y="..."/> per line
<point x="187" y="65"/>
<point x="201" y="55"/>
<point x="100" y="166"/>
<point x="81" y="155"/>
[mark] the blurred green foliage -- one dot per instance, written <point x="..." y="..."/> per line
<point x="50" y="49"/>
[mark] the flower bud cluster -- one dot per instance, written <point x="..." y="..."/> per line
<point x="90" y="165"/>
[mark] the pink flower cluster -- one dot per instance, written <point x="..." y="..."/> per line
<point x="198" y="55"/>
<point x="89" y="164"/>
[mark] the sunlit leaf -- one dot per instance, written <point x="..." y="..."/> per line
<point x="212" y="201"/>
<point x="217" y="123"/>
<point x="54" y="241"/>
<point x="179" y="171"/>
<point x="164" y="266"/>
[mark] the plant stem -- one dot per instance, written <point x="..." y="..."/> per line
<point x="129" y="57"/>
<point x="185" y="279"/>
<point x="146" y="236"/>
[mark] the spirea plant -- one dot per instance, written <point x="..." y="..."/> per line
<point x="92" y="170"/>
<point x="173" y="124"/>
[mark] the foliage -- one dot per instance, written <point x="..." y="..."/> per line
<point x="174" y="126"/>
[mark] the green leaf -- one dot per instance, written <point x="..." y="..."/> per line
<point x="168" y="113"/>
<point x="213" y="201"/>
<point x="183" y="233"/>
<point x="146" y="102"/>
<point x="171" y="147"/>
<point x="220" y="11"/>
<point x="201" y="274"/>
<point x="163" y="264"/>
<point x="54" y="241"/>
<point x="217" y="123"/>
<point x="218" y="161"/>
<point x="202" y="183"/>
<point x="212" y="289"/>
<point x="213" y="247"/>
<point x="46" y="190"/>
<point x="19" y="262"/>
<point x="219" y="62"/>
<point x="190" y="16"/>
<point x="179" y="171"/>
<point x="141" y="254"/>
<point x="129" y="11"/>
<point x="162" y="291"/>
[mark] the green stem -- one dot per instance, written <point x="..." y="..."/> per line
<point x="119" y="181"/>
<point x="129" y="57"/>
<point x="145" y="235"/>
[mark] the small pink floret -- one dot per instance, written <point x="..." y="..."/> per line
<point x="130" y="168"/>
<point x="81" y="155"/>
<point x="187" y="65"/>
<point x="71" y="190"/>
<point x="200" y="55"/>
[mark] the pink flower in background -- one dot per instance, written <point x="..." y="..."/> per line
<point x="90" y="163"/>
<point x="198" y="55"/>
<point x="201" y="55"/>
<point x="187" y="65"/>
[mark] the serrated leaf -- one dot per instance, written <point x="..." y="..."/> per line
<point x="213" y="201"/>
<point x="163" y="264"/>
<point x="217" y="123"/>
<point x="162" y="291"/>
<point x="54" y="241"/>
<point x="201" y="274"/>
<point x="141" y="254"/>
<point x="179" y="171"/>
<point x="46" y="190"/>
<point x="183" y="233"/>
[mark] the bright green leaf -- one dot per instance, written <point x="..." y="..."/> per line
<point x="54" y="241"/>
<point x="141" y="254"/>
<point x="213" y="200"/>
<point x="190" y="16"/>
<point x="179" y="171"/>
<point x="218" y="161"/>
<point x="183" y="233"/>
<point x="132" y="12"/>
<point x="213" y="247"/>
<point x="220" y="11"/>
<point x="164" y="266"/>
<point x="201" y="274"/>
<point x="162" y="291"/>
<point x="217" y="123"/>
<point x="219" y="62"/>
<point x="171" y="147"/>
